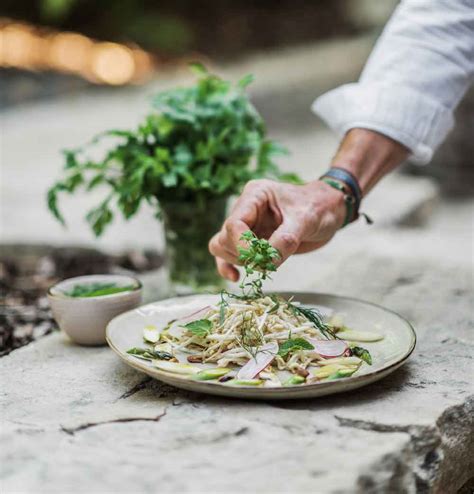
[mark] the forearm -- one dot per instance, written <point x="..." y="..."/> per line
<point x="369" y="156"/>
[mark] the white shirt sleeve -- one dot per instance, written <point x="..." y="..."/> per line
<point x="419" y="70"/>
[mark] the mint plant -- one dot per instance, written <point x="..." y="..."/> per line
<point x="199" y="143"/>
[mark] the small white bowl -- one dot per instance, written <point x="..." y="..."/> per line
<point x="84" y="319"/>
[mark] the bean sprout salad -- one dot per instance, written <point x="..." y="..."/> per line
<point x="254" y="339"/>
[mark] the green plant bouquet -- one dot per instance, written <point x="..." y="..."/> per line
<point x="199" y="146"/>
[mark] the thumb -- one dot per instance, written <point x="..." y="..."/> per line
<point x="286" y="238"/>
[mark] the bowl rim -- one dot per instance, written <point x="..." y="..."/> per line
<point x="54" y="293"/>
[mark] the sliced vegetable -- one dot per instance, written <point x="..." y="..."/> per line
<point x="349" y="335"/>
<point x="196" y="313"/>
<point x="327" y="370"/>
<point x="151" y="334"/>
<point x="294" y="380"/>
<point x="246" y="382"/>
<point x="329" y="348"/>
<point x="164" y="347"/>
<point x="142" y="353"/>
<point x="340" y="360"/>
<point x="362" y="353"/>
<point x="208" y="374"/>
<point x="347" y="372"/>
<point x="176" y="368"/>
<point x="149" y="354"/>
<point x="264" y="357"/>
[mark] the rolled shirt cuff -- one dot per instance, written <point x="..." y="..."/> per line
<point x="401" y="113"/>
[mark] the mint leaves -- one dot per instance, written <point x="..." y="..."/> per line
<point x="293" y="345"/>
<point x="201" y="327"/>
<point x="197" y="142"/>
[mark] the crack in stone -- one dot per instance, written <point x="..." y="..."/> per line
<point x="368" y="425"/>
<point x="72" y="430"/>
<point x="138" y="387"/>
<point x="220" y="437"/>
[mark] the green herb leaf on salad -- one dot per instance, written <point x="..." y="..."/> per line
<point x="201" y="327"/>
<point x="293" y="345"/>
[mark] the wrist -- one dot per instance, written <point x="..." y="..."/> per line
<point x="368" y="155"/>
<point x="328" y="203"/>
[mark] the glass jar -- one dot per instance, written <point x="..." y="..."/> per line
<point x="189" y="225"/>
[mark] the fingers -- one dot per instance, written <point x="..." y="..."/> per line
<point x="224" y="258"/>
<point x="287" y="239"/>
<point x="243" y="217"/>
<point x="227" y="270"/>
<point x="220" y="249"/>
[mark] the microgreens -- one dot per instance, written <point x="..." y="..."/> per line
<point x="258" y="259"/>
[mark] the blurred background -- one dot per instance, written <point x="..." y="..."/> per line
<point x="72" y="68"/>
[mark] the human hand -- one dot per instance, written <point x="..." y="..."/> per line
<point x="294" y="218"/>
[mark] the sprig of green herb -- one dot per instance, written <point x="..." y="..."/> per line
<point x="251" y="337"/>
<point x="258" y="259"/>
<point x="315" y="318"/>
<point x="200" y="142"/>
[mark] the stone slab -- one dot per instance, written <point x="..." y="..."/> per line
<point x="78" y="420"/>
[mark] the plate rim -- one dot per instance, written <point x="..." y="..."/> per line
<point x="266" y="393"/>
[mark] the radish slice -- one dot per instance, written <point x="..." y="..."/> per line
<point x="196" y="313"/>
<point x="256" y="364"/>
<point x="329" y="348"/>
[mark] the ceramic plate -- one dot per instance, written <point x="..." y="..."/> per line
<point x="125" y="331"/>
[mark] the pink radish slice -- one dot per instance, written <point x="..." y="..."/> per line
<point x="196" y="313"/>
<point x="329" y="348"/>
<point x="264" y="357"/>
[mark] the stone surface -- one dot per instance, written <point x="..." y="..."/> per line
<point x="77" y="419"/>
